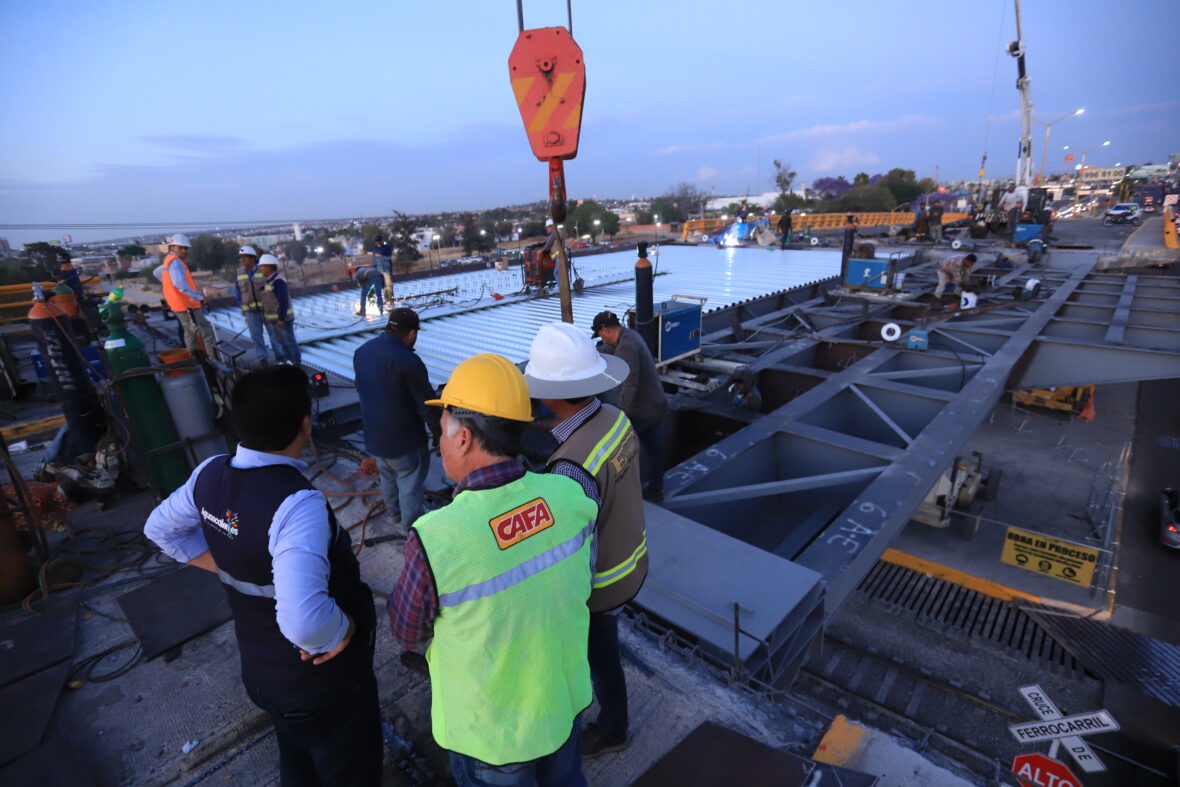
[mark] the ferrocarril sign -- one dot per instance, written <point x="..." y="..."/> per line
<point x="1054" y="557"/>
<point x="1067" y="727"/>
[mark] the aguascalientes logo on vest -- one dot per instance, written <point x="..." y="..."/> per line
<point x="227" y="525"/>
<point x="516" y="525"/>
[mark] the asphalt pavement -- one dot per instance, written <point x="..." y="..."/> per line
<point x="1087" y="232"/>
<point x="1146" y="581"/>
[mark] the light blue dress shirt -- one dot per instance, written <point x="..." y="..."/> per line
<point x="298" y="544"/>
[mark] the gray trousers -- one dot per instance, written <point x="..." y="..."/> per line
<point x="195" y="323"/>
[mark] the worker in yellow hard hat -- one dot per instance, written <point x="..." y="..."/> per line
<point x="500" y="578"/>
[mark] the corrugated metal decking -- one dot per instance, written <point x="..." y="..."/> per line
<point x="471" y="321"/>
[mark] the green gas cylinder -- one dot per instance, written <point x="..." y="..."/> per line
<point x="143" y="399"/>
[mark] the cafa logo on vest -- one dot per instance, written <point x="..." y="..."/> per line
<point x="228" y="525"/>
<point x="516" y="525"/>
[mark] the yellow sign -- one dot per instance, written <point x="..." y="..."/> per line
<point x="1052" y="557"/>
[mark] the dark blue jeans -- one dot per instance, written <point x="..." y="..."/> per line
<point x="606" y="673"/>
<point x="326" y="735"/>
<point x="650" y="432"/>
<point x="562" y="768"/>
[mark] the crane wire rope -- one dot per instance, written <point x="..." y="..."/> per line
<point x="987" y="120"/>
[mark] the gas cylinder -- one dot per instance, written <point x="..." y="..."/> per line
<point x="191" y="405"/>
<point x="144" y="401"/>
<point x="62" y="355"/>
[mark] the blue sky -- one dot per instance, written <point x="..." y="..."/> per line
<point x="162" y="111"/>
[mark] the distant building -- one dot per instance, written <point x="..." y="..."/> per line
<point x="5" y="249"/>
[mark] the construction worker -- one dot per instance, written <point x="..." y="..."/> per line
<point x="393" y="387"/>
<point x="276" y="310"/>
<point x="248" y="290"/>
<point x="369" y="279"/>
<point x="1012" y="205"/>
<point x="566" y="373"/>
<point x="934" y="217"/>
<point x="500" y="578"/>
<point x="383" y="262"/>
<point x="641" y="397"/>
<point x="185" y="300"/>
<point x="304" y="620"/>
<point x="953" y="270"/>
<point x="784" y="228"/>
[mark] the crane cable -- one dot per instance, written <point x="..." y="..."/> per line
<point x="987" y="120"/>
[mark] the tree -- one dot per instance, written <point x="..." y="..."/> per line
<point x="903" y="184"/>
<point x="295" y="250"/>
<point x="331" y="248"/>
<point x="48" y="257"/>
<point x="370" y="232"/>
<point x="14" y="271"/>
<point x="404" y="242"/>
<point x="503" y="229"/>
<point x="131" y="251"/>
<point x="681" y="201"/>
<point x="532" y="228"/>
<point x="644" y="216"/>
<point x="864" y="198"/>
<point x="783" y="177"/>
<point x="610" y="223"/>
<point x="470" y="234"/>
<point x="830" y="188"/>
<point x="861" y="179"/>
<point x="210" y="253"/>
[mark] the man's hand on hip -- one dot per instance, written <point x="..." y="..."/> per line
<point x="334" y="652"/>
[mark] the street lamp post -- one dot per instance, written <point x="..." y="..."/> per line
<point x="1048" y="128"/>
<point x="594" y="235"/>
<point x="1081" y="169"/>
<point x="437" y="251"/>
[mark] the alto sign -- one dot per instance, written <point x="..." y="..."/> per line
<point x="1037" y="770"/>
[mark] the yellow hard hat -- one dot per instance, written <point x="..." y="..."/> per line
<point x="488" y="384"/>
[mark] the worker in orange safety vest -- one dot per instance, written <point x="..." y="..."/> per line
<point x="184" y="299"/>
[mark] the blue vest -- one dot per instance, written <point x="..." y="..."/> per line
<point x="237" y="506"/>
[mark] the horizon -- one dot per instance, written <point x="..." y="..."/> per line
<point x="317" y="126"/>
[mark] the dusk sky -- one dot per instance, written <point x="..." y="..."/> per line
<point x="219" y="111"/>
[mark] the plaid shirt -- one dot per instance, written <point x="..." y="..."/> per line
<point x="413" y="604"/>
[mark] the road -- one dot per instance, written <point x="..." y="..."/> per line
<point x="1147" y="569"/>
<point x="1090" y="232"/>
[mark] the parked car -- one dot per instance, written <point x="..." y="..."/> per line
<point x="1170" y="518"/>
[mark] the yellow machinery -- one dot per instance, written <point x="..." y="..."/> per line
<point x="1068" y="398"/>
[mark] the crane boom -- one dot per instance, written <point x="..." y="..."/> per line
<point x="1024" y="166"/>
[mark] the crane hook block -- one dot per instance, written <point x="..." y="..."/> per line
<point x="549" y="82"/>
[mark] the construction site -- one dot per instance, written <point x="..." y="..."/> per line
<point x="917" y="524"/>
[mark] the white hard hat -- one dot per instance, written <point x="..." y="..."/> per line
<point x="548" y="222"/>
<point x="247" y="250"/>
<point x="564" y="364"/>
<point x="179" y="239"/>
<point x="268" y="259"/>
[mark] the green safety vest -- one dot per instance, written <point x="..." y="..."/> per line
<point x="251" y="300"/>
<point x="508" y="668"/>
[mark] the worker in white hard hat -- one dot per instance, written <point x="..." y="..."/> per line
<point x="277" y="311"/>
<point x="248" y="289"/>
<point x="567" y="373"/>
<point x="184" y="299"/>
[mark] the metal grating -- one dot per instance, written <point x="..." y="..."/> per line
<point x="1114" y="653"/>
<point x="974" y="614"/>
<point x="471" y="321"/>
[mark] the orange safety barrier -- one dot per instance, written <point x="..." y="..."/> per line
<point x="817" y="221"/>
<point x="1170" y="239"/>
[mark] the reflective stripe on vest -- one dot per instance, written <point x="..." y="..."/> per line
<point x="249" y="588"/>
<point x="511" y="565"/>
<point x="246" y="280"/>
<point x="270" y="302"/>
<point x="609" y="442"/>
<point x="520" y="573"/>
<point x="599" y="454"/>
<point x="612" y="575"/>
